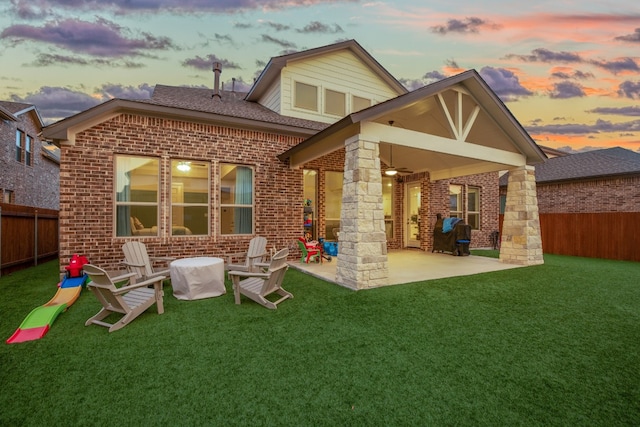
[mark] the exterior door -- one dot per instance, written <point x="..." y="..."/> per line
<point x="412" y="215"/>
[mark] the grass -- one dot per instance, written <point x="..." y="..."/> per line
<point x="556" y="344"/>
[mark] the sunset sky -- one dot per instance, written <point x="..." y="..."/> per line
<point x="569" y="70"/>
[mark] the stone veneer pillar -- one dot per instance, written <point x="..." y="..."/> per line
<point x="362" y="249"/>
<point x="521" y="241"/>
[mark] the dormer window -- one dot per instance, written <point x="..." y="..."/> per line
<point x="334" y="103"/>
<point x="306" y="96"/>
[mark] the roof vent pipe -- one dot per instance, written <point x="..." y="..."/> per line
<point x="217" y="69"/>
<point x="233" y="84"/>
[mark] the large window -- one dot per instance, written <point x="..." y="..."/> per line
<point x="27" y="150"/>
<point x="470" y="212"/>
<point x="334" y="103"/>
<point x="332" y="203"/>
<point x="236" y="199"/>
<point x="473" y="207"/>
<point x="310" y="202"/>
<point x="136" y="194"/>
<point x="189" y="197"/>
<point x="19" y="138"/>
<point x="306" y="96"/>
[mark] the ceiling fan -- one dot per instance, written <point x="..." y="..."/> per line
<point x="392" y="170"/>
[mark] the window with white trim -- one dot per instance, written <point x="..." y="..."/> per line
<point x="236" y="199"/>
<point x="305" y="96"/>
<point x="27" y="150"/>
<point x="358" y="103"/>
<point x="137" y="198"/>
<point x="469" y="211"/>
<point x="473" y="207"/>
<point x="19" y="139"/>
<point x="190" y="197"/>
<point x="335" y="103"/>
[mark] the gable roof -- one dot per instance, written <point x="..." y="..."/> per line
<point x="6" y="114"/>
<point x="587" y="165"/>
<point x="275" y="65"/>
<point x="411" y="108"/>
<point x="185" y="103"/>
<point x="19" y="108"/>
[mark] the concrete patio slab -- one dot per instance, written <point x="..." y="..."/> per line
<point x="414" y="265"/>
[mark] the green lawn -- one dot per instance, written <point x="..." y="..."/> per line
<point x="556" y="344"/>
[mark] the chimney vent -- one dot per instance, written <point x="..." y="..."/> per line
<point x="233" y="84"/>
<point x="217" y="69"/>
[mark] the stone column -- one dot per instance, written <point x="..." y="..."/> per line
<point x="362" y="247"/>
<point x="521" y="241"/>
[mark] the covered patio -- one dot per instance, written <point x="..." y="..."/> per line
<point x="414" y="265"/>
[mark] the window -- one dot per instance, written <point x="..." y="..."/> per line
<point x="306" y="96"/>
<point x="455" y="201"/>
<point x="334" y="103"/>
<point x="236" y="199"/>
<point x="136" y="193"/>
<point x="473" y="207"/>
<point x="358" y="103"/>
<point x="387" y="205"/>
<point x="332" y="203"/>
<point x="19" y="138"/>
<point x="469" y="213"/>
<point x="189" y="197"/>
<point x="27" y="150"/>
<point x="310" y="202"/>
<point x="8" y="196"/>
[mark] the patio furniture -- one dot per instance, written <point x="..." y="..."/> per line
<point x="138" y="261"/>
<point x="308" y="251"/>
<point x="255" y="254"/>
<point x="456" y="240"/>
<point x="131" y="300"/>
<point x="197" y="278"/>
<point x="257" y="286"/>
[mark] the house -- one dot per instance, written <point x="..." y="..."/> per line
<point x="30" y="167"/>
<point x="589" y="203"/>
<point x="326" y="141"/>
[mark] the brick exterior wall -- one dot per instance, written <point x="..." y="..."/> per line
<point x="87" y="181"/>
<point x="591" y="196"/>
<point x="36" y="185"/>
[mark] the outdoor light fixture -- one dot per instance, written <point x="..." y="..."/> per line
<point x="184" y="167"/>
<point x="391" y="171"/>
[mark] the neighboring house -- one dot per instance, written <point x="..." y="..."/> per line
<point x="326" y="141"/>
<point x="589" y="203"/>
<point x="30" y="167"/>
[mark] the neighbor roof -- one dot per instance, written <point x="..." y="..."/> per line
<point x="276" y="64"/>
<point x="6" y="113"/>
<point x="587" y="165"/>
<point x="19" y="108"/>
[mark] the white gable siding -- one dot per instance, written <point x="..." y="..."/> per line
<point x="271" y="98"/>
<point x="339" y="71"/>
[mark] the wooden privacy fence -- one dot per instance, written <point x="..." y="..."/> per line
<point x="609" y="235"/>
<point x="28" y="236"/>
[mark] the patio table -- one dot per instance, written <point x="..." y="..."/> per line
<point x="197" y="278"/>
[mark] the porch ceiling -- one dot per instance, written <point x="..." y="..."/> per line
<point x="455" y="129"/>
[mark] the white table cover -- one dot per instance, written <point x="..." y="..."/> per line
<point x="197" y="278"/>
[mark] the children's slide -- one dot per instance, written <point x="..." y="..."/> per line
<point x="37" y="323"/>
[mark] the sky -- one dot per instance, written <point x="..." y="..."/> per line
<point x="569" y="70"/>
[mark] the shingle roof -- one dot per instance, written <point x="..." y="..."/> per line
<point x="14" y="107"/>
<point x="230" y="104"/>
<point x="590" y="164"/>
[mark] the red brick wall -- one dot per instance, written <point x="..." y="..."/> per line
<point x="593" y="196"/>
<point x="35" y="185"/>
<point x="87" y="199"/>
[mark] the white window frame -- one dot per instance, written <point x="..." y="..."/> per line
<point x="252" y="205"/>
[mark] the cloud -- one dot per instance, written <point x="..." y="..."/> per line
<point x="318" y="27"/>
<point x="618" y="65"/>
<point x="47" y="59"/>
<point x="629" y="89"/>
<point x="572" y="74"/>
<point x="633" y="110"/>
<point x="55" y="103"/>
<point x="584" y="129"/>
<point x="282" y="43"/>
<point x="470" y="25"/>
<point x="276" y="26"/>
<point x="100" y="38"/>
<point x="207" y="63"/>
<point x="142" y="91"/>
<point x="566" y="89"/>
<point x="546" y="55"/>
<point x="504" y="83"/>
<point x="633" y="37"/>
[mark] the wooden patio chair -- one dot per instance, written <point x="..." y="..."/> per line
<point x="257" y="286"/>
<point x="131" y="300"/>
<point x="246" y="261"/>
<point x="138" y="261"/>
